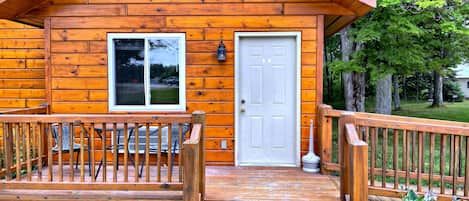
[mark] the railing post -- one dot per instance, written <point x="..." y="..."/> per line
<point x="198" y="117"/>
<point x="345" y="188"/>
<point x="358" y="171"/>
<point x="325" y="136"/>
<point x="191" y="171"/>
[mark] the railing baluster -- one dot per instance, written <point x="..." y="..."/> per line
<point x="7" y="141"/>
<point x="114" y="152"/>
<point x="456" y="164"/>
<point x="158" y="162"/>
<point x="147" y="152"/>
<point x="385" y="157"/>
<point x="367" y="134"/>
<point x="420" y="158"/>
<point x="18" y="151"/>
<point x="451" y="157"/>
<point x="408" y="138"/>
<point x="60" y="143"/>
<point x="395" y="157"/>
<point x="104" y="158"/>
<point x="373" y="155"/>
<point x="414" y="150"/>
<point x="126" y="153"/>
<point x="432" y="161"/>
<point x="82" y="152"/>
<point x="93" y="152"/>
<point x="28" y="152"/>
<point x="466" y="178"/>
<point x="136" y="158"/>
<point x="180" y="152"/>
<point x="71" y="150"/>
<point x="40" y="151"/>
<point x="170" y="165"/>
<point x="442" y="163"/>
<point x="49" y="157"/>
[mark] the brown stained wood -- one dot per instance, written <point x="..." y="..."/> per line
<point x="93" y="150"/>
<point x="373" y="155"/>
<point x="126" y="153"/>
<point x="456" y="164"/>
<point x="17" y="136"/>
<point x="49" y="158"/>
<point x="180" y="152"/>
<point x="40" y="150"/>
<point x="60" y="146"/>
<point x="114" y="153"/>
<point x="432" y="161"/>
<point x="104" y="158"/>
<point x="205" y="9"/>
<point x="442" y="163"/>
<point x="395" y="157"/>
<point x="8" y="144"/>
<point x="414" y="152"/>
<point x="136" y="158"/>
<point x="95" y="118"/>
<point x="158" y="162"/>
<point x="28" y="152"/>
<point x="384" y="158"/>
<point x="420" y="158"/>
<point x="147" y="153"/>
<point x="170" y="164"/>
<point x="325" y="139"/>
<point x="82" y="153"/>
<point x="466" y="178"/>
<point x="408" y="137"/>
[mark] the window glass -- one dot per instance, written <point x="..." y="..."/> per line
<point x="164" y="71"/>
<point x="129" y="68"/>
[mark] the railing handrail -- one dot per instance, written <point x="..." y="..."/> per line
<point x="43" y="109"/>
<point x="364" y="115"/>
<point x="97" y="118"/>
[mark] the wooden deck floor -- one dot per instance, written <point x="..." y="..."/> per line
<point x="223" y="183"/>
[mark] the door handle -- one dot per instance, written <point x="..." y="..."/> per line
<point x="242" y="110"/>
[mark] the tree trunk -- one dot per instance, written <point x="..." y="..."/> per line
<point x="346" y="48"/>
<point x="384" y="95"/>
<point x="417" y="97"/>
<point x="404" y="87"/>
<point x="437" y="89"/>
<point x="397" y="99"/>
<point x="354" y="82"/>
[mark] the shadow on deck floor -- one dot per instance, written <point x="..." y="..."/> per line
<point x="223" y="183"/>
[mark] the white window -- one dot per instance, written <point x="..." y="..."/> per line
<point x="146" y="71"/>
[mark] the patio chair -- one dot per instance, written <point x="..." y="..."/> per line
<point x="66" y="135"/>
<point x="164" y="144"/>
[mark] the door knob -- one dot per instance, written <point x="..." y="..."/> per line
<point x="243" y="110"/>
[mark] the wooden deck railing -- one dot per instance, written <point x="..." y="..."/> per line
<point x="353" y="163"/>
<point x="29" y="141"/>
<point x="404" y="153"/>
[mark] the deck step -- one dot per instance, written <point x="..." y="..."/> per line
<point x="61" y="195"/>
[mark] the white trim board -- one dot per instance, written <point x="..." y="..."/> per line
<point x="112" y="107"/>
<point x="297" y="35"/>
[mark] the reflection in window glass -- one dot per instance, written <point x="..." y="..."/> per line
<point x="164" y="71"/>
<point x="129" y="64"/>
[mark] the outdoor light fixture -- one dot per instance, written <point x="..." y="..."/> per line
<point x="221" y="52"/>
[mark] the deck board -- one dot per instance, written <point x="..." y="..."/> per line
<point x="223" y="183"/>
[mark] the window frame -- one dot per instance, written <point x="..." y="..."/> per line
<point x="467" y="84"/>
<point x="181" y="37"/>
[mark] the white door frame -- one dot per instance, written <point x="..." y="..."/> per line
<point x="297" y="35"/>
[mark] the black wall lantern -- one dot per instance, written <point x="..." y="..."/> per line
<point x="221" y="52"/>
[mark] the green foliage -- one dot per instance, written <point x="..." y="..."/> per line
<point x="452" y="88"/>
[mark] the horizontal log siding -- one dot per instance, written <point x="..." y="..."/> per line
<point x="79" y="55"/>
<point x="21" y="66"/>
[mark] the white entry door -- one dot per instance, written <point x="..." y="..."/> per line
<point x="267" y="98"/>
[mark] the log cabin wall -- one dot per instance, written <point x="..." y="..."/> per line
<point x="21" y="66"/>
<point x="76" y="33"/>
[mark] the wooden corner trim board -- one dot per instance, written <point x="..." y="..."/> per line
<point x="47" y="60"/>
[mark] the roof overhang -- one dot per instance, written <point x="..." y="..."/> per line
<point x="338" y="13"/>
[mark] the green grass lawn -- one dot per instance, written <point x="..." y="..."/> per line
<point x="458" y="111"/>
